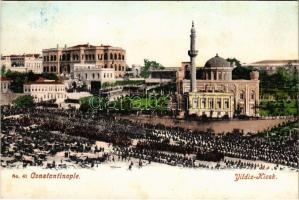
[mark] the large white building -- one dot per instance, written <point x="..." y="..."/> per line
<point x="90" y="72"/>
<point x="23" y="63"/>
<point x="44" y="90"/>
<point x="271" y="66"/>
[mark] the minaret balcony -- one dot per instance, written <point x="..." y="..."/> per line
<point x="192" y="53"/>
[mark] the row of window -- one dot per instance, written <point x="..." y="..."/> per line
<point x="4" y="85"/>
<point x="209" y="102"/>
<point x="90" y="57"/>
<point x="43" y="88"/>
<point x="33" y="65"/>
<point x="242" y="95"/>
<point x="49" y="96"/>
<point x="93" y="75"/>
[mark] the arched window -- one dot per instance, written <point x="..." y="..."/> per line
<point x="242" y="95"/>
<point x="115" y="68"/>
<point x="111" y="56"/>
<point x="105" y="57"/>
<point x="123" y="68"/>
<point x="119" y="56"/>
<point x="98" y="76"/>
<point x="252" y="95"/>
<point x="115" y="56"/>
<point x="123" y="57"/>
<point x="119" y="68"/>
<point x="92" y="75"/>
<point x="105" y="66"/>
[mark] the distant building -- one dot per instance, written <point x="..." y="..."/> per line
<point x="133" y="71"/>
<point x="23" y="63"/>
<point x="90" y="72"/>
<point x="61" y="60"/>
<point x="213" y="93"/>
<point x="5" y="62"/>
<point x="271" y="66"/>
<point x="166" y="75"/>
<point x="45" y="90"/>
<point x="4" y="85"/>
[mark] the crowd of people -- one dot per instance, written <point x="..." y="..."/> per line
<point x="30" y="136"/>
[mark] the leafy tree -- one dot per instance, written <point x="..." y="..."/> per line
<point x="23" y="102"/>
<point x="237" y="62"/>
<point x="241" y="73"/>
<point x="18" y="79"/>
<point x="2" y="70"/>
<point x="144" y="72"/>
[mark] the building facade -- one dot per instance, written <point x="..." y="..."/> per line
<point x="45" y="90"/>
<point x="215" y="93"/>
<point x="4" y="85"/>
<point x="90" y="72"/>
<point x="271" y="66"/>
<point x="61" y="60"/>
<point x="23" y="63"/>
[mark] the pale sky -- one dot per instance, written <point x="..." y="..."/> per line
<point x="160" y="31"/>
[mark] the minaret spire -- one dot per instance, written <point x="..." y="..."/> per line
<point x="193" y="53"/>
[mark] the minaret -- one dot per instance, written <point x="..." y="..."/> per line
<point x="192" y="53"/>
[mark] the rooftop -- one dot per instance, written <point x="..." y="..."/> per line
<point x="4" y="78"/>
<point x="276" y="61"/>
<point x="41" y="80"/>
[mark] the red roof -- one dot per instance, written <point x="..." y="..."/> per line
<point x="41" y="80"/>
<point x="4" y="78"/>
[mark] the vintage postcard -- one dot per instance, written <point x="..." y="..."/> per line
<point x="149" y="100"/>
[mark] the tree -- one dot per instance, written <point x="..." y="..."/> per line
<point x="237" y="62"/>
<point x="149" y="65"/>
<point x="23" y="102"/>
<point x="3" y="70"/>
<point x="241" y="73"/>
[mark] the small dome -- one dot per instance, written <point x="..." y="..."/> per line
<point x="217" y="62"/>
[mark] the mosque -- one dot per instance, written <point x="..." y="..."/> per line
<point x="210" y="90"/>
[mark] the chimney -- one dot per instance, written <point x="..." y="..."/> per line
<point x="65" y="46"/>
<point x="57" y="46"/>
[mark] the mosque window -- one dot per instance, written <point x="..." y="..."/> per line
<point x="218" y="103"/>
<point x="203" y="103"/>
<point x="252" y="95"/>
<point x="242" y="95"/>
<point x="226" y="104"/>
<point x="195" y="104"/>
<point x="211" y="103"/>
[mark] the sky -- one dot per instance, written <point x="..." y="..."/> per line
<point x="160" y="31"/>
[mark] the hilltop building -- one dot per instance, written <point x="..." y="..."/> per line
<point x="23" y="63"/>
<point x="271" y="66"/>
<point x="61" y="60"/>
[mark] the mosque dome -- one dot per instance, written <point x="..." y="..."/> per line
<point x="217" y="62"/>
